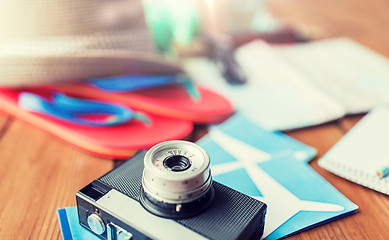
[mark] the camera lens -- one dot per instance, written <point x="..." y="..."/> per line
<point x="176" y="180"/>
<point x="176" y="163"/>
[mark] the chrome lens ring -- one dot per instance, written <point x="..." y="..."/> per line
<point x="176" y="172"/>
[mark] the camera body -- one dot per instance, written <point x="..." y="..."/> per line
<point x="112" y="207"/>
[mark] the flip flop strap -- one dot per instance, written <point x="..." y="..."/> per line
<point x="67" y="108"/>
<point x="127" y="83"/>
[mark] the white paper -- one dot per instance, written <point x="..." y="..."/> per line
<point x="276" y="96"/>
<point x="352" y="74"/>
<point x="363" y="151"/>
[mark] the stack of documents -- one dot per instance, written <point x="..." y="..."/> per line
<point x="293" y="86"/>
<point x="272" y="167"/>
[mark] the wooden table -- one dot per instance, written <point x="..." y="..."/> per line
<point x="39" y="174"/>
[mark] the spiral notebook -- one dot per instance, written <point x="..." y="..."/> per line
<point x="363" y="151"/>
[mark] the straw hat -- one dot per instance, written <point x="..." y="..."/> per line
<point x="52" y="40"/>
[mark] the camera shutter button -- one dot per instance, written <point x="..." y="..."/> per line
<point x="96" y="224"/>
<point x="124" y="235"/>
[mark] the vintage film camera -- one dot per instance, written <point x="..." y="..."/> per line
<point x="168" y="193"/>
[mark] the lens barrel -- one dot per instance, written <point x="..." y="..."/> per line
<point x="176" y="180"/>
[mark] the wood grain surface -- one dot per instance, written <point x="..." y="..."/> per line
<point x="39" y="174"/>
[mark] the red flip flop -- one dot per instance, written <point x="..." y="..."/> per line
<point x="170" y="100"/>
<point x="119" y="141"/>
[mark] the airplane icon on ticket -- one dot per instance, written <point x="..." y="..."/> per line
<point x="282" y="204"/>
